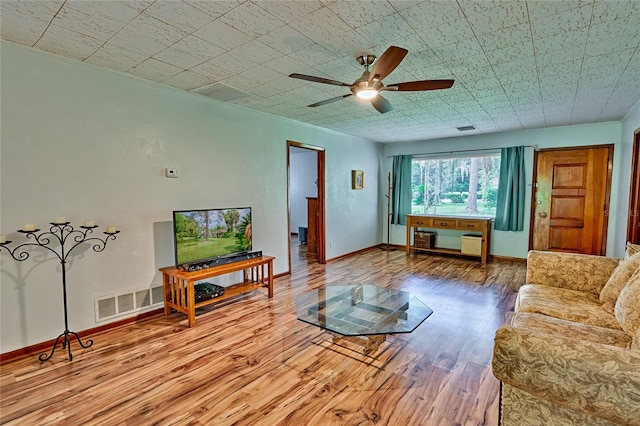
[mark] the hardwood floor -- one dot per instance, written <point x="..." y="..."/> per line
<point x="299" y="256"/>
<point x="251" y="362"/>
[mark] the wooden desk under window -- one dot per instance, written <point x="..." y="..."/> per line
<point x="478" y="226"/>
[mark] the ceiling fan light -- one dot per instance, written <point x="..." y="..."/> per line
<point x="367" y="93"/>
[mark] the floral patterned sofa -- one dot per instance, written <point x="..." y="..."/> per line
<point x="571" y="355"/>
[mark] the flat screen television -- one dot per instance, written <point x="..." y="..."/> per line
<point x="204" y="235"/>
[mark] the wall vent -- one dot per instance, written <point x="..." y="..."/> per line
<point x="125" y="302"/>
<point x="133" y="302"/>
<point x="143" y="299"/>
<point x="157" y="295"/>
<point x="106" y="308"/>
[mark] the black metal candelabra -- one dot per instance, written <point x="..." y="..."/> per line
<point x="61" y="233"/>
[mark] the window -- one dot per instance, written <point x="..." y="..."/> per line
<point x="455" y="186"/>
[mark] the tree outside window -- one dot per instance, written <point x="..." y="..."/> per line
<point x="455" y="186"/>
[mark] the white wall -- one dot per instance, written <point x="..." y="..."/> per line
<point x="303" y="175"/>
<point x="84" y="142"/>
<point x="515" y="244"/>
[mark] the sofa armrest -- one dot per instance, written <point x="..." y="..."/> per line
<point x="598" y="379"/>
<point x="572" y="271"/>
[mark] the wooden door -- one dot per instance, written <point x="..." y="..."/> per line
<point x="570" y="198"/>
<point x="633" y="224"/>
<point x="312" y="226"/>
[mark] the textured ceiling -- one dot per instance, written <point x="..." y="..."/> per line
<point x="516" y="64"/>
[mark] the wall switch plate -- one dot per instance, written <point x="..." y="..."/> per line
<point x="172" y="173"/>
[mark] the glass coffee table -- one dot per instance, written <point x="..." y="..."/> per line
<point x="363" y="314"/>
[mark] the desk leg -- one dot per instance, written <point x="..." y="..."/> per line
<point x="486" y="245"/>
<point x="484" y="253"/>
<point x="408" y="239"/>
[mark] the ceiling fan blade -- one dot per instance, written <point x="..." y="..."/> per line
<point x="329" y="101"/>
<point x="417" y="86"/>
<point x="381" y="104"/>
<point x="386" y="63"/>
<point x="318" y="79"/>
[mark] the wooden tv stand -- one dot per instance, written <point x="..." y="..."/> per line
<point x="179" y="291"/>
<point x="476" y="225"/>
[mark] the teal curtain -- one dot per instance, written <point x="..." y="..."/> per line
<point x="401" y="194"/>
<point x="511" y="190"/>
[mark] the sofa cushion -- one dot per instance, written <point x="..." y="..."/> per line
<point x="617" y="281"/>
<point x="628" y="305"/>
<point x="571" y="329"/>
<point x="631" y="249"/>
<point x="635" y="343"/>
<point x="586" y="377"/>
<point x="525" y="409"/>
<point x="574" y="271"/>
<point x="571" y="305"/>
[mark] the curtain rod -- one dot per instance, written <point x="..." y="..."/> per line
<point x="535" y="147"/>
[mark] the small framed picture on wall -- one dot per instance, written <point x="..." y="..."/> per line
<point x="357" y="179"/>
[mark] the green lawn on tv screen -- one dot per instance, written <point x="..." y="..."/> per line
<point x="190" y="249"/>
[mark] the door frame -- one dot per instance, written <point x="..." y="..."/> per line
<point x="320" y="155"/>
<point x="633" y="231"/>
<point x="607" y="197"/>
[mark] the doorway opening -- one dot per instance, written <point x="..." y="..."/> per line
<point x="306" y="202"/>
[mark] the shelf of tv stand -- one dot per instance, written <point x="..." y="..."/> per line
<point x="178" y="285"/>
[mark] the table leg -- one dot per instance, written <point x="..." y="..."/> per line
<point x="191" y="298"/>
<point x="369" y="343"/>
<point x="167" y="293"/>
<point x="270" y="272"/>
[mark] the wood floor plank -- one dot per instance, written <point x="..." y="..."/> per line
<point x="249" y="361"/>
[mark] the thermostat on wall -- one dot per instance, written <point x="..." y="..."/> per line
<point x="172" y="173"/>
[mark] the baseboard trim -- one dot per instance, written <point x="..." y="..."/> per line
<point x="396" y="247"/>
<point x="45" y="346"/>
<point x="402" y="247"/>
<point x="364" y="250"/>
<point x="509" y="258"/>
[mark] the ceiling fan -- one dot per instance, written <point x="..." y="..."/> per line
<point x="369" y="85"/>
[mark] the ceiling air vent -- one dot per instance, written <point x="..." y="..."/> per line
<point x="221" y="92"/>
<point x="465" y="128"/>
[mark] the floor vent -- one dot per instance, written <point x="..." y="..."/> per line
<point x="108" y="307"/>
